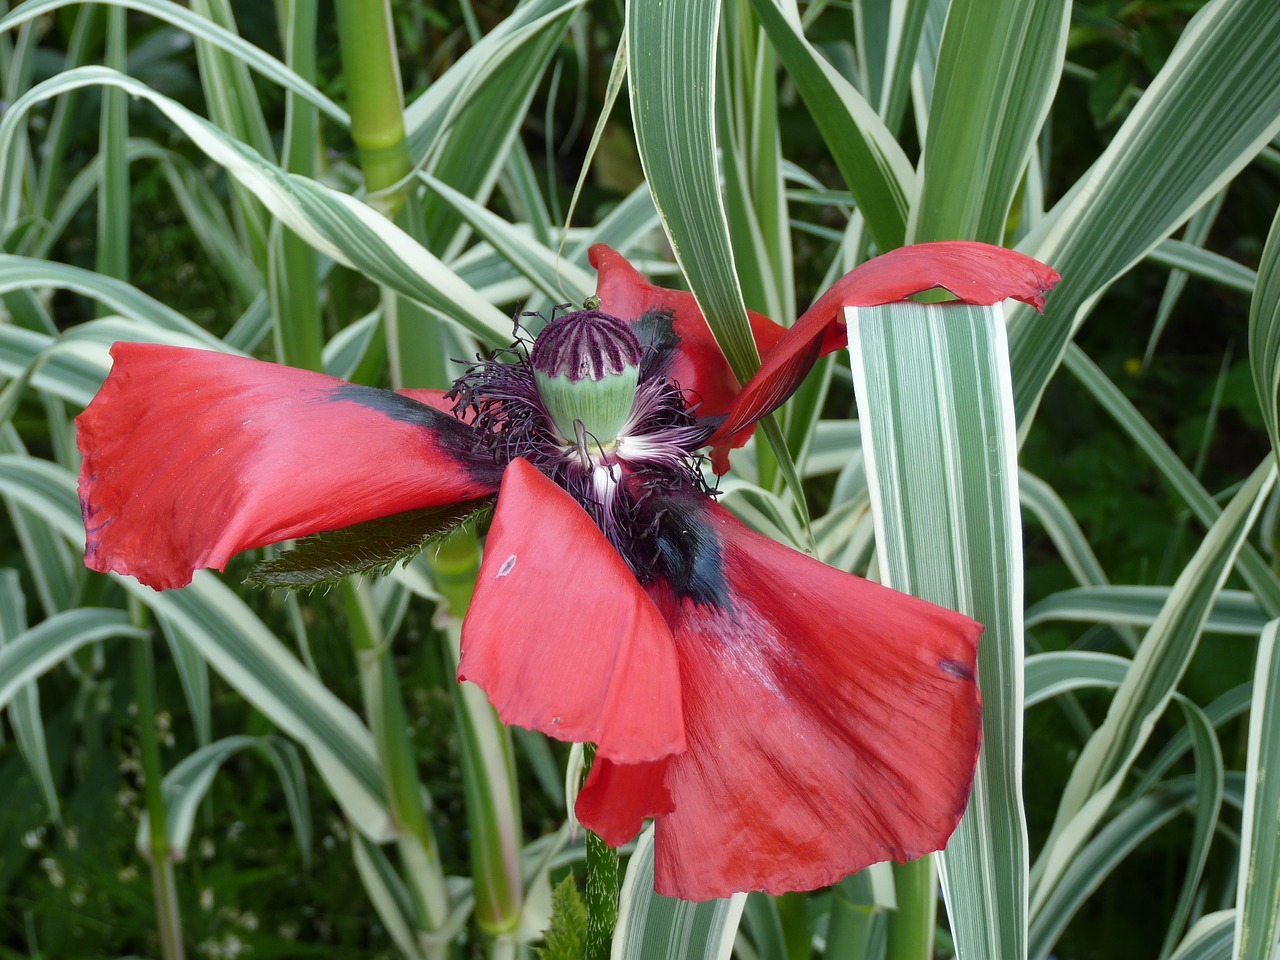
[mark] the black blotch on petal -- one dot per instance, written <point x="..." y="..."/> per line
<point x="656" y="331"/>
<point x="449" y="433"/>
<point x="395" y="406"/>
<point x="689" y="555"/>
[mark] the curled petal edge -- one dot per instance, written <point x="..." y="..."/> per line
<point x="975" y="273"/>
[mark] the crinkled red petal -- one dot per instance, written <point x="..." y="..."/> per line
<point x="976" y="273"/>
<point x="561" y="636"/>
<point x="831" y="722"/>
<point x="192" y="456"/>
<point x="700" y="369"/>
<point x="618" y="797"/>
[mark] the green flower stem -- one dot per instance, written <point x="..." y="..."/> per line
<point x="384" y="707"/>
<point x="163" y="883"/>
<point x="602" y="888"/>
<point x="374" y="95"/>
<point x="488" y="764"/>
<point x="911" y="926"/>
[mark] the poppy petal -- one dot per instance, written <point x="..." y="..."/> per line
<point x="561" y="636"/>
<point x="192" y="456"/>
<point x="976" y="273"/>
<point x="831" y="722"/>
<point x="432" y="398"/>
<point x="618" y="797"/>
<point x="700" y="367"/>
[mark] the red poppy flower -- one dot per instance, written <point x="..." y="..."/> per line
<point x="786" y="723"/>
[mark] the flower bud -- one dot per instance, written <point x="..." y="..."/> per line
<point x="586" y="365"/>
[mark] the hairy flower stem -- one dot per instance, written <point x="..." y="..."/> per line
<point x="163" y="884"/>
<point x="602" y="888"/>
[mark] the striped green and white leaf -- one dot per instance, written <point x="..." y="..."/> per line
<point x="1157" y="668"/>
<point x="1209" y="938"/>
<point x="654" y="927"/>
<point x="1233" y="611"/>
<point x="1212" y="107"/>
<point x="672" y="58"/>
<point x="186" y="785"/>
<point x="1043" y="501"/>
<point x="1050" y="674"/>
<point x="38" y="649"/>
<point x="672" y="67"/>
<point x="254" y="661"/>
<point x="936" y="407"/>
<point x="55" y="571"/>
<point x="558" y="279"/>
<point x="28" y="273"/>
<point x="24" y="709"/>
<point x="388" y="893"/>
<point x="336" y="224"/>
<point x="998" y="69"/>
<point x="1210" y="778"/>
<point x="1099" y="859"/>
<point x="1258" y="884"/>
<point x="429" y="116"/>
<point x="875" y="168"/>
<point x="1194" y="236"/>
<point x="193" y="674"/>
<point x="1264" y="334"/>
<point x="472" y="150"/>
<point x="754" y="177"/>
<point x="1204" y="264"/>
<point x="1255" y="570"/>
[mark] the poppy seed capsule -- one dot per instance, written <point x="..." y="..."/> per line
<point x="587" y="365"/>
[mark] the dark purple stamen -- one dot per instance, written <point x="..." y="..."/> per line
<point x="625" y="482"/>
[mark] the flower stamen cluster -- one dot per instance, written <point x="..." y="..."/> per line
<point x="652" y="445"/>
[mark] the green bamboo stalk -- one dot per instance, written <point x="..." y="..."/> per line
<point x="376" y="103"/>
<point x="384" y="710"/>
<point x="375" y="98"/>
<point x="853" y="918"/>
<point x="911" y="926"/>
<point x="112" y="254"/>
<point x="293" y="279"/>
<point x="488" y="763"/>
<point x="414" y="340"/>
<point x="163" y="882"/>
